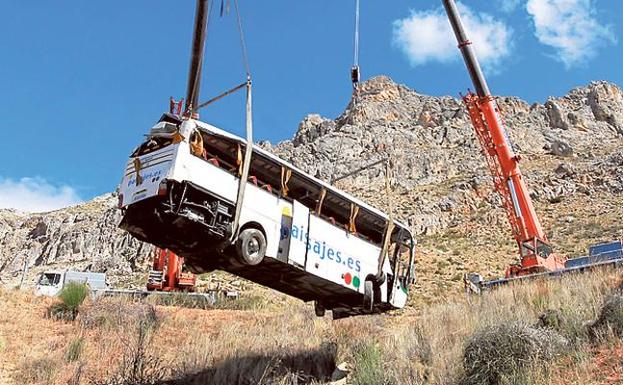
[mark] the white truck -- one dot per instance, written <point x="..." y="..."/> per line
<point x="50" y="283"/>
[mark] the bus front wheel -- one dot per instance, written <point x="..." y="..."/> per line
<point x="251" y="246"/>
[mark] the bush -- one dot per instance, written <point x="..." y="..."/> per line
<point x="368" y="365"/>
<point x="72" y="296"/>
<point x="244" y="302"/>
<point x="40" y="370"/>
<point x="566" y="322"/>
<point x="74" y="349"/>
<point x="138" y="366"/>
<point x="610" y="318"/>
<point x="179" y="300"/>
<point x="118" y="313"/>
<point x="407" y="354"/>
<point x="498" y="353"/>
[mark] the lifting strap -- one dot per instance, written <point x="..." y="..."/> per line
<point x="196" y="144"/>
<point x="323" y="194"/>
<point x="354" y="210"/>
<point x="286" y="174"/>
<point x="137" y="168"/>
<point x="245" y="165"/>
<point x="239" y="159"/>
<point x="389" y="229"/>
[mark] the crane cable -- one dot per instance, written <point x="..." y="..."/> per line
<point x="248" y="151"/>
<point x="243" y="45"/>
<point x="355" y="74"/>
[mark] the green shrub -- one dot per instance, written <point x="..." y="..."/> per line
<point x="74" y="349"/>
<point x="505" y="353"/>
<point x="368" y="365"/>
<point x="72" y="296"/>
<point x="565" y="322"/>
<point x="610" y="318"/>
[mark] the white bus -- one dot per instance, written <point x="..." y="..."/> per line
<point x="296" y="234"/>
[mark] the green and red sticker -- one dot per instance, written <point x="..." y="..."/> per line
<point x="348" y="279"/>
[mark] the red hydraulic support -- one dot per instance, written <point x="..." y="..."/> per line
<point x="173" y="268"/>
<point x="167" y="273"/>
<point x="536" y="255"/>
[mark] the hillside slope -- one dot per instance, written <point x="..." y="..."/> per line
<point x="573" y="163"/>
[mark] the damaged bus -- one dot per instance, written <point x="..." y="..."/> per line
<point x="221" y="202"/>
<point x="295" y="233"/>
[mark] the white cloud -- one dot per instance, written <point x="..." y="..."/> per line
<point x="426" y="36"/>
<point x="35" y="195"/>
<point x="570" y="27"/>
<point x="508" y="5"/>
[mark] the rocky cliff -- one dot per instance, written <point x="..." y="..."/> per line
<point x="440" y="186"/>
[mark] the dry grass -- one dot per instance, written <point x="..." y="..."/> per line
<point x="121" y="341"/>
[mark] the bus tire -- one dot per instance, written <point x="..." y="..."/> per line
<point x="368" y="296"/>
<point x="251" y="246"/>
<point x="319" y="309"/>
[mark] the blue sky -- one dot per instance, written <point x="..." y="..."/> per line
<point x="83" y="80"/>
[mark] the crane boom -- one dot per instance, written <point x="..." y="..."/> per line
<point x="536" y="254"/>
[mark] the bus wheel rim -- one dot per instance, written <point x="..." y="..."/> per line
<point x="253" y="247"/>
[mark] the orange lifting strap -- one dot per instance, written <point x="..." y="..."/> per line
<point x="286" y="173"/>
<point x="323" y="194"/>
<point x="354" y="210"/>
<point x="137" y="168"/>
<point x="177" y="137"/>
<point x="196" y="144"/>
<point x="239" y="159"/>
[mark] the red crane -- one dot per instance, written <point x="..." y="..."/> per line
<point x="536" y="254"/>
<point x="167" y="274"/>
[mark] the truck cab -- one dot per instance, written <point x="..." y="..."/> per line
<point x="51" y="283"/>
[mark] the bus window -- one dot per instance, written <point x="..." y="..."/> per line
<point x="151" y="145"/>
<point x="402" y="258"/>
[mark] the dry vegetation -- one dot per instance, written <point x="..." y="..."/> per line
<point x="546" y="332"/>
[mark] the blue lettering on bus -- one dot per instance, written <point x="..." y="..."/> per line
<point x="320" y="248"/>
<point x="146" y="176"/>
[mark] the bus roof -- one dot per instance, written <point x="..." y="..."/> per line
<point x="210" y="129"/>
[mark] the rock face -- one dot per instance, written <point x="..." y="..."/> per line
<point x="430" y="142"/>
<point x="440" y="186"/>
<point x="84" y="237"/>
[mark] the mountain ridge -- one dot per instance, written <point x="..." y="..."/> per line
<point x="441" y="187"/>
